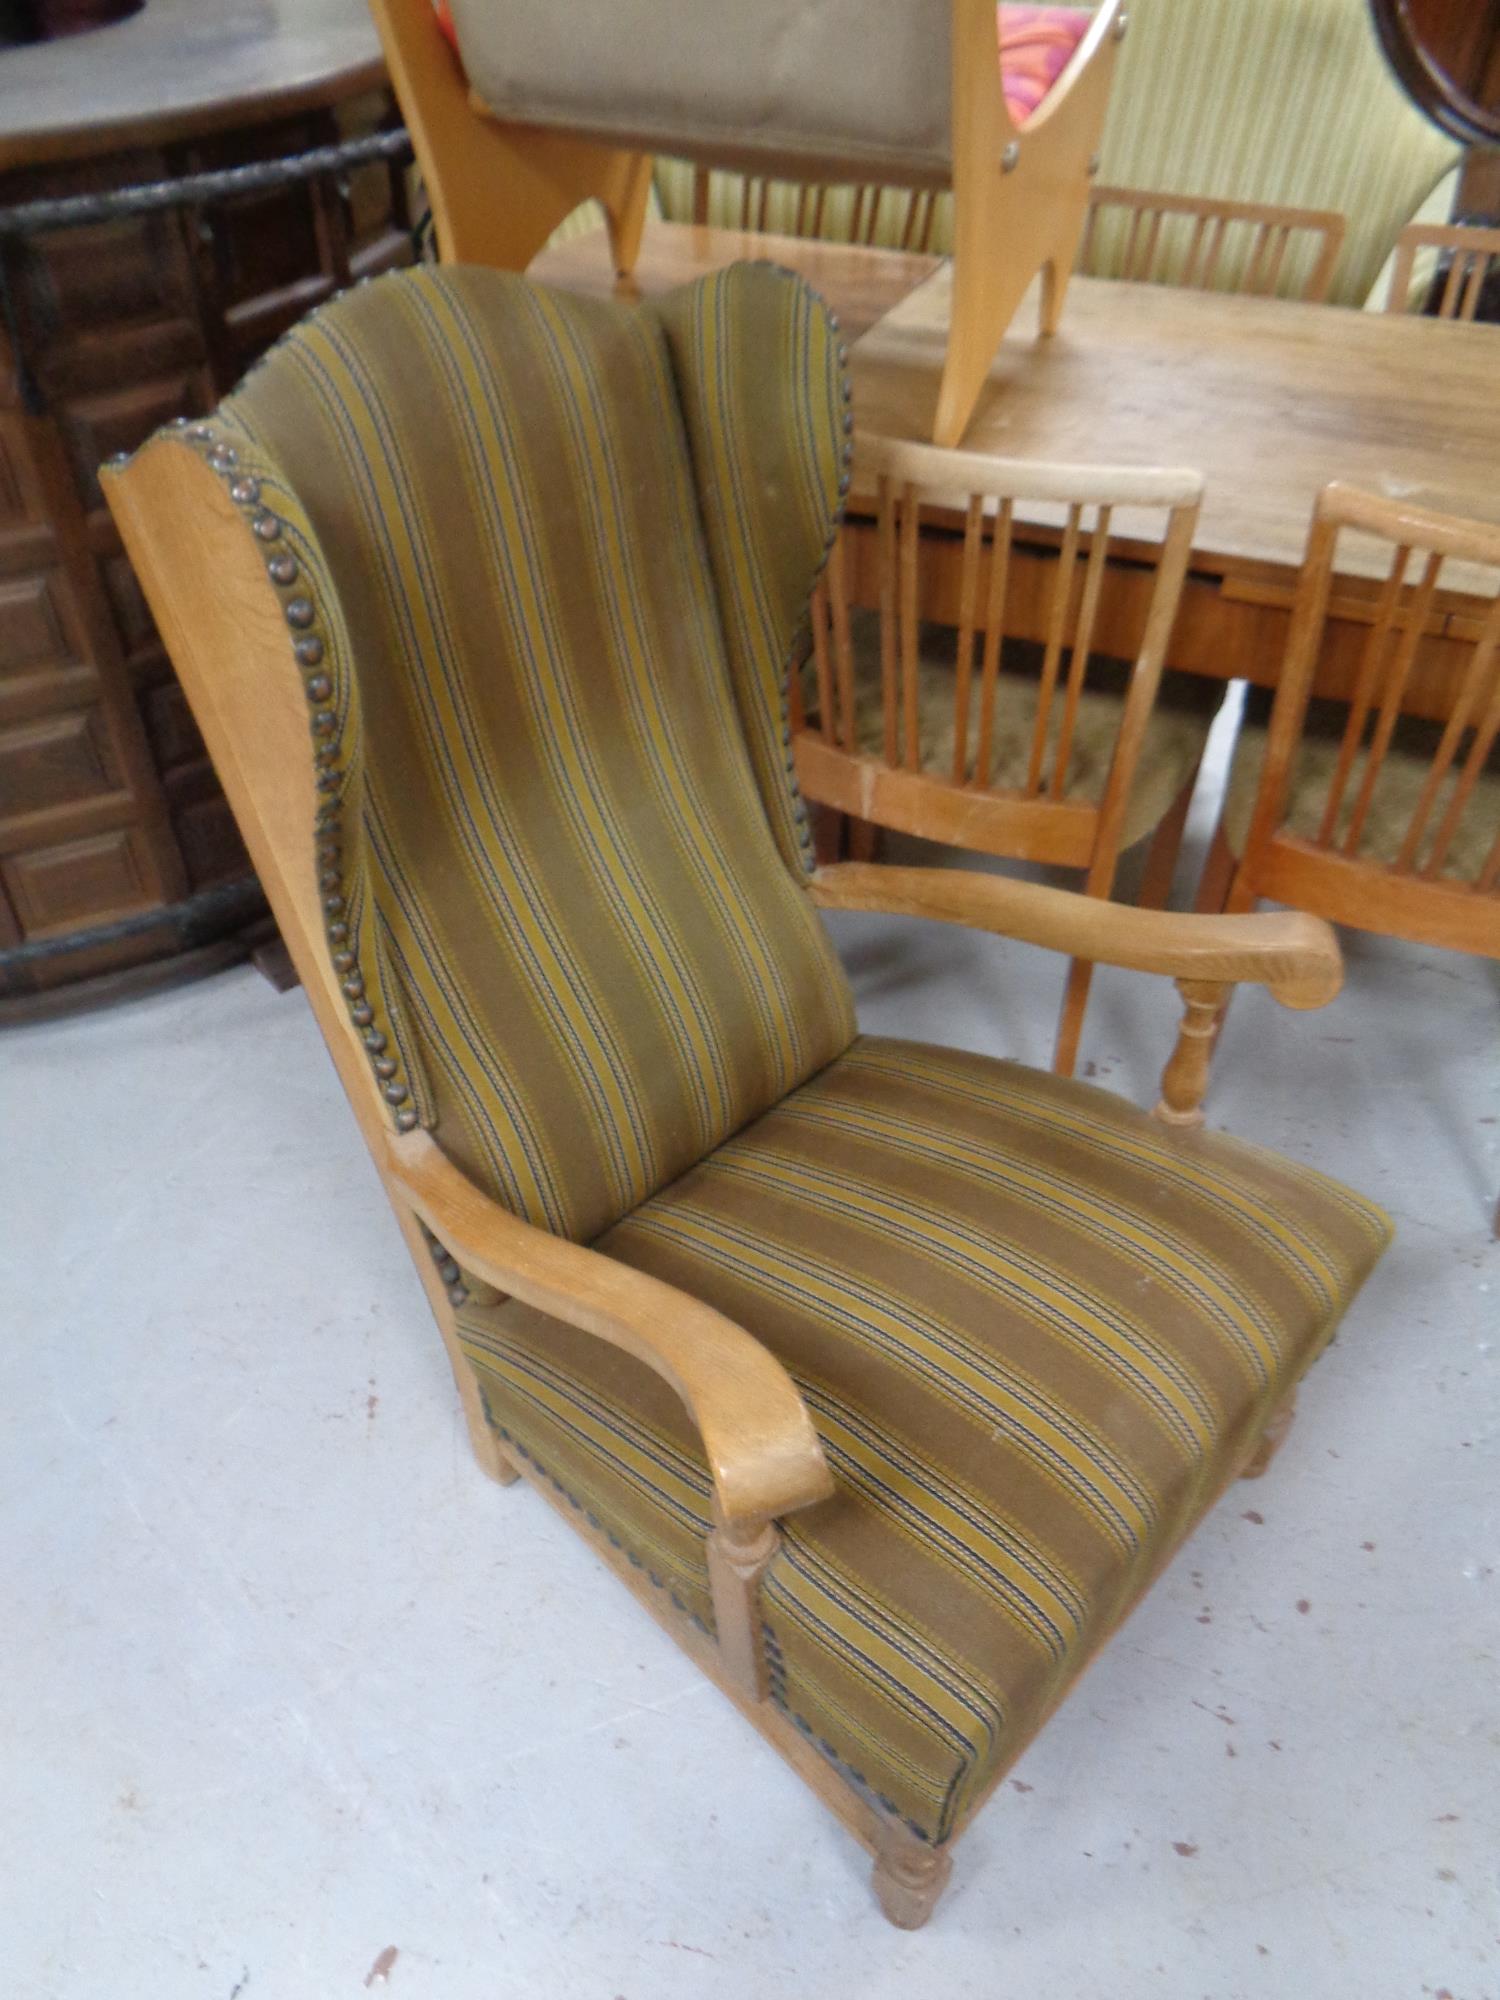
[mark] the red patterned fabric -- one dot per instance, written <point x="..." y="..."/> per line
<point x="1035" y="46"/>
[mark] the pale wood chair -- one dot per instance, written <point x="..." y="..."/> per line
<point x="926" y="718"/>
<point x="925" y="109"/>
<point x="498" y="195"/>
<point x="886" y="1376"/>
<point x="1472" y="253"/>
<point x="1350" y="809"/>
<point x="1201" y="242"/>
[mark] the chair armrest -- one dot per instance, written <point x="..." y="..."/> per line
<point x="759" y="1440"/>
<point x="1295" y="956"/>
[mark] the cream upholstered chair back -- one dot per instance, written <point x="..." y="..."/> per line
<point x="542" y="559"/>
<point x="777" y="83"/>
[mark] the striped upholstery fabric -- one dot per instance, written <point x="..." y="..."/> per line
<point x="1284" y="101"/>
<point x="1036" y="1332"/>
<point x="770" y="463"/>
<point x="566" y="907"/>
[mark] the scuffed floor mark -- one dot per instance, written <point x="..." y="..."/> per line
<point x="696" y="1949"/>
<point x="240" y="1984"/>
<point x="1185" y="1848"/>
<point x="380" y="1971"/>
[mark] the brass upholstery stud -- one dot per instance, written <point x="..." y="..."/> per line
<point x="362" y="1013"/>
<point x="299" y="612"/>
<point x="267" y="527"/>
<point x="319" y="688"/>
<point x="405" y="1119"/>
<point x="281" y="568"/>
<point x="396" y="1093"/>
<point x="309" y="651"/>
<point x="244" y="491"/>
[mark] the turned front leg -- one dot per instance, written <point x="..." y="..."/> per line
<point x="1185" y="1078"/>
<point x="737" y="1556"/>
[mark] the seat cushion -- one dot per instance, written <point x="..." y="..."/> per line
<point x="1175" y="732"/>
<point x="1036" y="1331"/>
<point x="1036" y="45"/>
<point x="1403" y="773"/>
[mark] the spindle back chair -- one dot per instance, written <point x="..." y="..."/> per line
<point x="1030" y="752"/>
<point x="869" y="213"/>
<point x="1473" y="254"/>
<point x="1202" y="244"/>
<point x="1351" y="809"/>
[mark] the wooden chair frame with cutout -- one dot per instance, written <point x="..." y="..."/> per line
<point x="1020" y="193"/>
<point x="223" y="623"/>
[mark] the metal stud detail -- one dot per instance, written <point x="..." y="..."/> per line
<point x="244" y="491"/>
<point x="395" y="1093"/>
<point x="362" y="1013"/>
<point x="281" y="568"/>
<point x="405" y="1119"/>
<point x="308" y="652"/>
<point x="267" y="527"/>
<point x="319" y="688"/>
<point x="299" y="611"/>
<point x="224" y="457"/>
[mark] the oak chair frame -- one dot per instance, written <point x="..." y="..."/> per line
<point x="1475" y="252"/>
<point x="1406" y="898"/>
<point x="1271" y="227"/>
<point x="1035" y="822"/>
<point x="206" y="579"/>
<point x="498" y="193"/>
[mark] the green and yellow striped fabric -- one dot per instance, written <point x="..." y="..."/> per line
<point x="565" y="900"/>
<point x="1036" y="1331"/>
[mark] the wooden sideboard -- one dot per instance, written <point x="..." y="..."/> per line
<point x="120" y="867"/>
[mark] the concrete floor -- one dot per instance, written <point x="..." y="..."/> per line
<point x="295" y="1704"/>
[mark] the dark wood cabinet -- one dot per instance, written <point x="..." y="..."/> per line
<point x="119" y="862"/>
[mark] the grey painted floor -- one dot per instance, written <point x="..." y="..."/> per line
<point x="287" y="1688"/>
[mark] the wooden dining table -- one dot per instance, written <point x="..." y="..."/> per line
<point x="1270" y="399"/>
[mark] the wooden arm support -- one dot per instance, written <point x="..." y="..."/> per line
<point x="1295" y="956"/>
<point x="761" y="1447"/>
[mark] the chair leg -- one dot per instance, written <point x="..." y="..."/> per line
<point x="625" y="203"/>
<point x="1166" y="845"/>
<point x="1272" y="1438"/>
<point x="909" y="1877"/>
<point x="1070" y="1024"/>
<point x="864" y="839"/>
<point x="1218" y="875"/>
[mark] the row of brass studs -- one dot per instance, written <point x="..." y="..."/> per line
<point x="791" y="663"/>
<point x="309" y="652"/>
<point x="447" y="1270"/>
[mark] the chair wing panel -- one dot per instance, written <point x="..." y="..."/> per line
<point x="761" y="379"/>
<point x="554" y="889"/>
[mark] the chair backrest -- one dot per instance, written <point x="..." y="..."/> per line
<point x="1472" y="255"/>
<point x="1283" y="101"/>
<point x="1202" y="243"/>
<point x="994" y="548"/>
<point x="869" y="213"/>
<point x="543" y="560"/>
<point x="1411" y="804"/>
<point x="778" y="85"/>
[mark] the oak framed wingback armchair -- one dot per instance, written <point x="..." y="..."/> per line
<point x="885" y="1375"/>
<point x="545" y="106"/>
